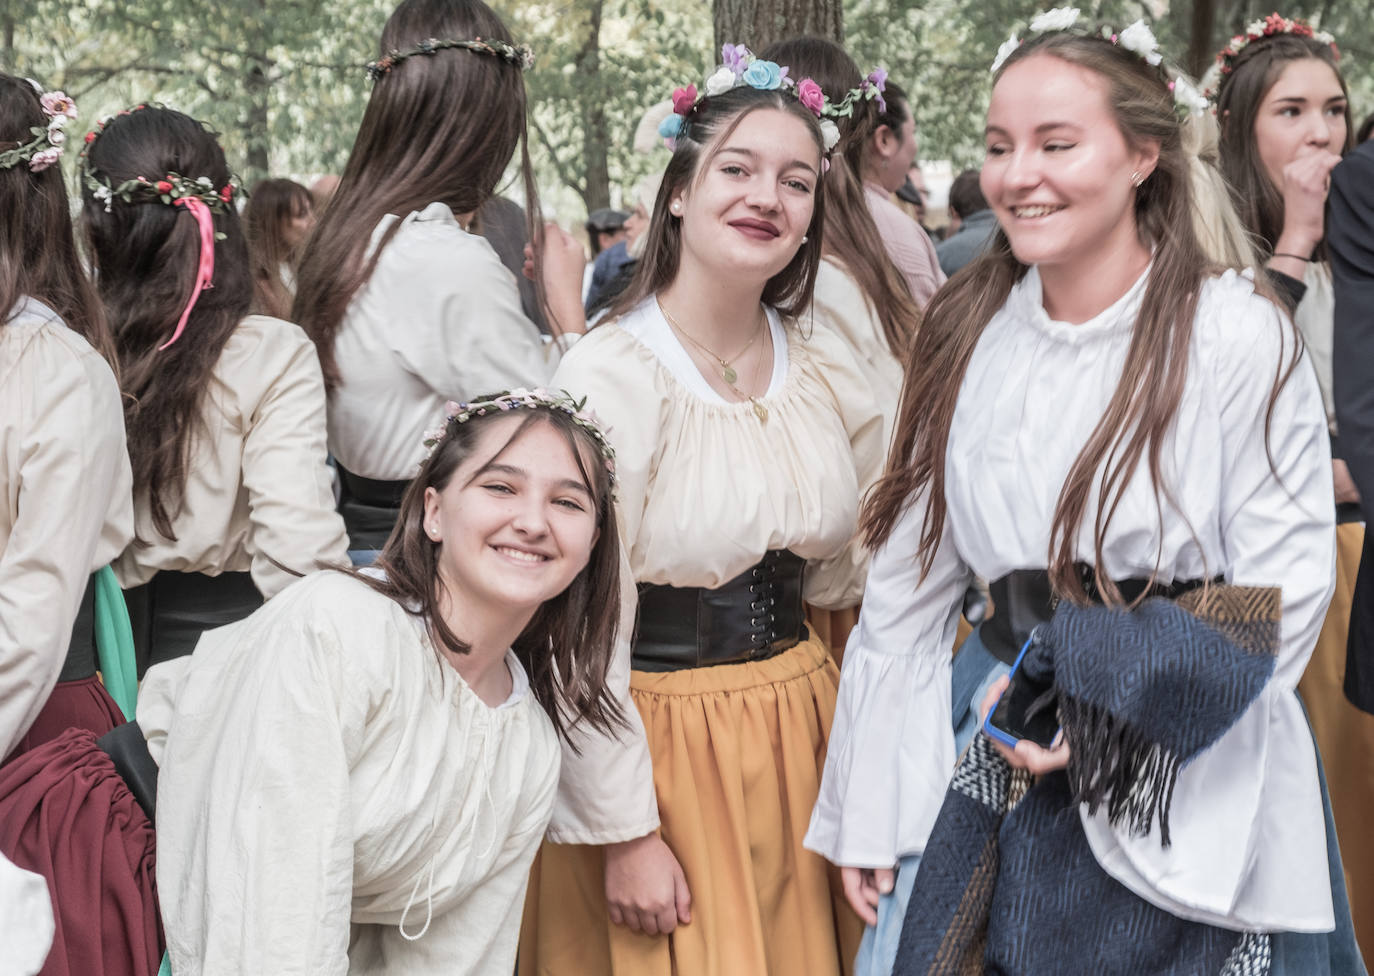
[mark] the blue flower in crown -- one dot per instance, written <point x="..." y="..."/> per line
<point x="764" y="75"/>
<point x="670" y="127"/>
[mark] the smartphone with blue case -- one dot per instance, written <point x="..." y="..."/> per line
<point x="1008" y="722"/>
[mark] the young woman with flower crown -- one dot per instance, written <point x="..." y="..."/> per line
<point x="1101" y="416"/>
<point x="224" y="409"/>
<point x="1285" y="121"/>
<point x="407" y="308"/>
<point x="355" y="778"/>
<point x="744" y="439"/>
<point x="67" y="510"/>
<point x="60" y="434"/>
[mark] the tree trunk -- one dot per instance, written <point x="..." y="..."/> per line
<point x="596" y="191"/>
<point x="257" y="132"/>
<point x="1201" y="46"/>
<point x="758" y="23"/>
<point x="7" y="40"/>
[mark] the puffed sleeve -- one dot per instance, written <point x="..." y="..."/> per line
<point x="837" y="583"/>
<point x="606" y="791"/>
<point x="255" y="836"/>
<point x="465" y="332"/>
<point x="68" y="491"/>
<point x="290" y="498"/>
<point x="1247" y="846"/>
<point x="891" y="748"/>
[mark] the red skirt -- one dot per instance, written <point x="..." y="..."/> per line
<point x="80" y="704"/>
<point x="66" y="814"/>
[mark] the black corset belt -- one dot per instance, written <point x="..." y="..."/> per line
<point x="369" y="508"/>
<point x="752" y="617"/>
<point x="1022" y="600"/>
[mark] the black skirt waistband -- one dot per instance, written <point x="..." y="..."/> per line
<point x="1023" y="599"/>
<point x="369" y="507"/>
<point x="754" y="616"/>
<point x="81" y="657"/>
<point x="172" y="610"/>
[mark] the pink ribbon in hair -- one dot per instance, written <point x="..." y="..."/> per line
<point x="205" y="270"/>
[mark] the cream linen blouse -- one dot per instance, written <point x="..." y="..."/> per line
<point x="704" y="490"/>
<point x="330" y="790"/>
<point x="1248" y="847"/>
<point x="841" y="305"/>
<point x="258" y="489"/>
<point x="438" y="320"/>
<point x="66" y="499"/>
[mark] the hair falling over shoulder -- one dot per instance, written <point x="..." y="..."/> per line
<point x="437" y="128"/>
<point x="1135" y="425"/>
<point x="38" y="255"/>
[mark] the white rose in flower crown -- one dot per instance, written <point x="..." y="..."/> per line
<point x="1058" y="19"/>
<point x="1004" y="52"/>
<point x="1323" y="37"/>
<point x="1140" y="39"/>
<point x="1254" y="29"/>
<point x="721" y="81"/>
<point x="1189" y="97"/>
<point x="56" y="137"/>
<point x="830" y="134"/>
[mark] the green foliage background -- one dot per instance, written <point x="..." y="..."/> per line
<point x="282" y="79"/>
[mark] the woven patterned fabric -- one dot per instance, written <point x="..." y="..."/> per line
<point x="1008" y="883"/>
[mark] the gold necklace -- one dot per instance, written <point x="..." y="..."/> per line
<point x="727" y="371"/>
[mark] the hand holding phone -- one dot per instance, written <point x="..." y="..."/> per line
<point x="1027" y="741"/>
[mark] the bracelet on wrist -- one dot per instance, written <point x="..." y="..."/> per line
<point x="1295" y="257"/>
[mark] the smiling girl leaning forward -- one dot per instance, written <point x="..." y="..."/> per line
<point x="356" y="777"/>
<point x="744" y="439"/>
<point x="1101" y="416"/>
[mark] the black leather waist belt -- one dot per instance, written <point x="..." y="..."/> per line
<point x="369" y="508"/>
<point x="1022" y="600"/>
<point x="170" y="611"/>
<point x="752" y="617"/>
<point x="80" y="661"/>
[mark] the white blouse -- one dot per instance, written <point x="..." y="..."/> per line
<point x="258" y="496"/>
<point x="438" y="320"/>
<point x="841" y="304"/>
<point x="704" y="490"/>
<point x="1248" y="845"/>
<point x="330" y="789"/>
<point x="66" y="499"/>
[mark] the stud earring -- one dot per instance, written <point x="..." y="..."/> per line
<point x="676" y="206"/>
<point x="1136" y="178"/>
<point x="805" y="238"/>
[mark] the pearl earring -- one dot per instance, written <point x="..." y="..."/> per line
<point x="676" y="207"/>
<point x="805" y="238"/>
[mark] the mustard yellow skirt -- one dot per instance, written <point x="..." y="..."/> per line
<point x="1345" y="736"/>
<point x="737" y="752"/>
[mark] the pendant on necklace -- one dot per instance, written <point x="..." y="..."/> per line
<point x="729" y="374"/>
<point x="760" y="410"/>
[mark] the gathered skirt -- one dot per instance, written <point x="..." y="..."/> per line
<point x="65" y="814"/>
<point x="737" y="753"/>
<point x="1345" y="738"/>
<point x="80" y="704"/>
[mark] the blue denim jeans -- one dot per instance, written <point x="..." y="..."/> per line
<point x="973" y="673"/>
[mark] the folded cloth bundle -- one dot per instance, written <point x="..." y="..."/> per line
<point x="1008" y="883"/>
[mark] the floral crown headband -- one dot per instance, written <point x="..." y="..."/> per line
<point x="525" y="399"/>
<point x="1137" y="38"/>
<point x="45" y="148"/>
<point x="740" y="68"/>
<point x="1270" y="26"/>
<point x="198" y="196"/>
<point x="519" y="55"/>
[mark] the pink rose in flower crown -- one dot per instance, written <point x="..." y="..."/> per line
<point x="684" y="99"/>
<point x="227" y="192"/>
<point x="810" y="94"/>
<point x="163" y="186"/>
<point x="56" y="103"/>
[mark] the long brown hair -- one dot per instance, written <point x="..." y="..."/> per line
<point x="567" y="646"/>
<point x="851" y="236"/>
<point x="1137" y="420"/>
<point x="271" y="206"/>
<point x="438" y="128"/>
<point x="146" y="255"/>
<point x="38" y="257"/>
<point x="1255" y="70"/>
<point x="709" y="124"/>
